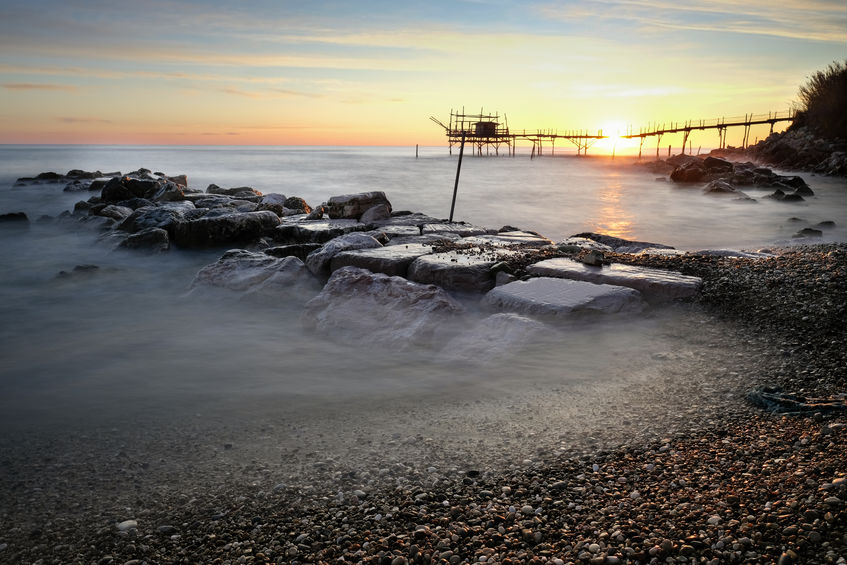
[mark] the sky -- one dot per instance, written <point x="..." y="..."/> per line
<point x="264" y="72"/>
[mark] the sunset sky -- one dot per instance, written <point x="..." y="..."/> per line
<point x="372" y="72"/>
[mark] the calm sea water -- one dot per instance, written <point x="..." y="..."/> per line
<point x="126" y="342"/>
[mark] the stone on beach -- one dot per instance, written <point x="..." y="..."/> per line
<point x="509" y="239"/>
<point x="151" y="239"/>
<point x="224" y="229"/>
<point x="256" y="274"/>
<point x="361" y="307"/>
<point x="390" y="260"/>
<point x="300" y="229"/>
<point x="495" y="338"/>
<point x="240" y="191"/>
<point x="459" y="228"/>
<point x="620" y="245"/>
<point x="353" y="206"/>
<point x="556" y="298"/>
<point x="656" y="285"/>
<point x="318" y="261"/>
<point x="460" y="271"/>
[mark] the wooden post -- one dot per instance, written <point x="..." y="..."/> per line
<point x="458" y="170"/>
<point x="416" y="151"/>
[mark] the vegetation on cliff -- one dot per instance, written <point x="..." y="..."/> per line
<point x="824" y="102"/>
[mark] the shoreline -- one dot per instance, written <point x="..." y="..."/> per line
<point x="235" y="506"/>
<point x="671" y="445"/>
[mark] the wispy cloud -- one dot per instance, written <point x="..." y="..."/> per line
<point x="268" y="93"/>
<point x="791" y="19"/>
<point x="70" y="120"/>
<point x="37" y="86"/>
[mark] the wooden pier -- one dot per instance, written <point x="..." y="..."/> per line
<point x="486" y="131"/>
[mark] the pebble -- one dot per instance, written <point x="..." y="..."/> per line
<point x="126" y="525"/>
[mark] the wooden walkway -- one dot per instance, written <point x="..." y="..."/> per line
<point x="485" y="132"/>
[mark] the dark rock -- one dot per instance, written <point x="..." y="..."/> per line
<point x="621" y="245"/>
<point x="793" y="197"/>
<point x="299" y="250"/>
<point x="239" y="192"/>
<point x="14" y="218"/>
<point x="715" y="165"/>
<point x="297" y="204"/>
<point x="828" y="224"/>
<point x="810" y="232"/>
<point x="224" y="230"/>
<point x="692" y="172"/>
<point x="151" y="239"/>
<point x="352" y="206"/>
<point x="115" y="191"/>
<point x="153" y="217"/>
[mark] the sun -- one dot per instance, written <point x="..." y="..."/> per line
<point x="614" y="142"/>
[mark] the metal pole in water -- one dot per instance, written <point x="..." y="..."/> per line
<point x="458" y="170"/>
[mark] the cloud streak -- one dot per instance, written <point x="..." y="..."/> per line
<point x="38" y="86"/>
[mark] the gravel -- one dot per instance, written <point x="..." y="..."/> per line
<point x="675" y="469"/>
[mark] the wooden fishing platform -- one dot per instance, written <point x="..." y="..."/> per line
<point x="485" y="132"/>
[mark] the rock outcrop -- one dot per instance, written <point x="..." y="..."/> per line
<point x="360" y="307"/>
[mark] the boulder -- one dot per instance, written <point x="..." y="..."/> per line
<point x="239" y="192"/>
<point x="317" y="213"/>
<point x="318" y="261"/>
<point x="620" y="245"/>
<point x="299" y="250"/>
<point x="257" y="275"/>
<point x="656" y="285"/>
<point x="168" y="192"/>
<point x="298" y="229"/>
<point x="460" y="228"/>
<point x="692" y="172"/>
<point x="119" y="213"/>
<point x="715" y="165"/>
<point x="391" y="260"/>
<point x="576" y="244"/>
<point x="115" y="191"/>
<point x="467" y="271"/>
<point x="297" y="205"/>
<point x="496" y="338"/>
<point x="388" y="313"/>
<point x="509" y="239"/>
<point x="376" y="213"/>
<point x="562" y="298"/>
<point x="181" y="180"/>
<point x="150" y="239"/>
<point x="153" y="217"/>
<point x="352" y="206"/>
<point x="14" y="219"/>
<point x="224" y="230"/>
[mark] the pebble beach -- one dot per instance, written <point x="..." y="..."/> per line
<point x="682" y="471"/>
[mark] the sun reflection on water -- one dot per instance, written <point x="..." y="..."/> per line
<point x="613" y="217"/>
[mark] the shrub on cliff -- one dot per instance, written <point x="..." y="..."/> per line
<point x="824" y="102"/>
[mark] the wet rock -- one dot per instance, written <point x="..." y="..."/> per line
<point x="558" y="298"/>
<point x="14" y="219"/>
<point x="459" y="228"/>
<point x="620" y="245"/>
<point x="376" y="213"/>
<point x="299" y="250"/>
<point x="299" y="229"/>
<point x="257" y="275"/>
<point x="119" y="213"/>
<point x="353" y="206"/>
<point x="655" y="285"/>
<point x="495" y="338"/>
<point x="509" y="239"/>
<point x="466" y="270"/>
<point x="297" y="205"/>
<point x="150" y="239"/>
<point x="357" y="306"/>
<point x="575" y="244"/>
<point x="164" y="217"/>
<point x="238" y="192"/>
<point x="691" y="172"/>
<point x="224" y="230"/>
<point x="390" y="260"/>
<point x="318" y="261"/>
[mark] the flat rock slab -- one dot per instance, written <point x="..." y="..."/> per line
<point x="562" y="298"/>
<point x="393" y="260"/>
<point x="257" y="275"/>
<point x="466" y="271"/>
<point x="463" y="230"/>
<point x="297" y="229"/>
<point x="509" y="239"/>
<point x="373" y="309"/>
<point x="655" y="284"/>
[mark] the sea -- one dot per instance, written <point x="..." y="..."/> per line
<point x="127" y="347"/>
